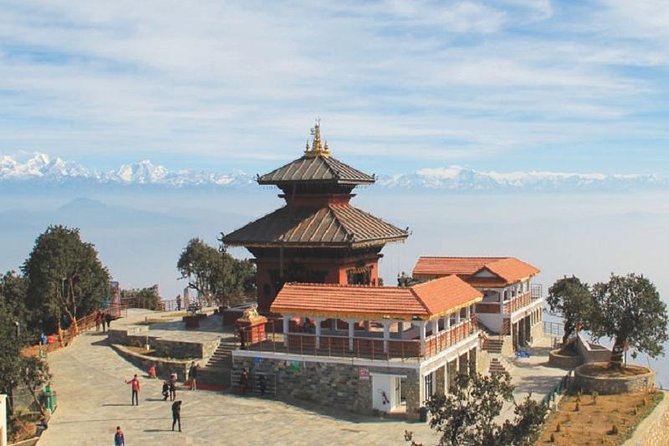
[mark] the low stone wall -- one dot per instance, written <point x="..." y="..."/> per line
<point x="168" y="348"/>
<point x="328" y="384"/>
<point x="611" y="385"/>
<point x="591" y="352"/>
<point x="555" y="359"/>
<point x="164" y="367"/>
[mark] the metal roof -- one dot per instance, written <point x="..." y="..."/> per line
<point x="316" y="169"/>
<point x="332" y="225"/>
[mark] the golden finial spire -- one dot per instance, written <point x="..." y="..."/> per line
<point x="317" y="149"/>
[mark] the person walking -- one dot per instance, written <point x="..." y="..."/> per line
<point x="178" y="302"/>
<point x="173" y="386"/>
<point x="134" y="382"/>
<point x="108" y="319"/>
<point x="166" y="390"/>
<point x="119" y="438"/>
<point x="176" y="414"/>
<point x="192" y="373"/>
<point x="244" y="381"/>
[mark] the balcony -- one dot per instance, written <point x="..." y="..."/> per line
<point x="367" y="345"/>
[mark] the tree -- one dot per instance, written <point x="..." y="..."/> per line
<point x="201" y="264"/>
<point x="142" y="298"/>
<point x="65" y="277"/>
<point x="11" y="341"/>
<point x="33" y="374"/>
<point x="629" y="309"/>
<point x="571" y="299"/>
<point x="215" y="273"/>
<point x="466" y="416"/>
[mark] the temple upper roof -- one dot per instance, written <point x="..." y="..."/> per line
<point x="316" y="166"/>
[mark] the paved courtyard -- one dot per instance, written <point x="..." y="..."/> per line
<point x="93" y="399"/>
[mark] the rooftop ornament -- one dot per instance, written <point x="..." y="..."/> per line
<point x="317" y="148"/>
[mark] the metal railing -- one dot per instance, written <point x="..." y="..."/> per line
<point x="559" y="389"/>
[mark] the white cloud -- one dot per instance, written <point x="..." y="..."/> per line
<point x="435" y="80"/>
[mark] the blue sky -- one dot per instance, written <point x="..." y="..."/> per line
<point x="509" y="85"/>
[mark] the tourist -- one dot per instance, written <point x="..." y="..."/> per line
<point x="134" y="382"/>
<point x="244" y="381"/>
<point x="192" y="373"/>
<point x="178" y="302"/>
<point x="98" y="320"/>
<point x="41" y="426"/>
<point x="176" y="414"/>
<point x="166" y="390"/>
<point x="108" y="319"/>
<point x="173" y="386"/>
<point x="242" y="338"/>
<point x="152" y="371"/>
<point x="262" y="384"/>
<point x="119" y="438"/>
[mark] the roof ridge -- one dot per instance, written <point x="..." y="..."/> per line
<point x="345" y="285"/>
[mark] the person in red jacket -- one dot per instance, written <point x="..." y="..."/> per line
<point x="134" y="382"/>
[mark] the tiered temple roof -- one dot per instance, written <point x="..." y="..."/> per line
<point x="333" y="225"/>
<point x="317" y="189"/>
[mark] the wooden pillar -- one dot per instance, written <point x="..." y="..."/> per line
<point x="317" y="322"/>
<point x="286" y="327"/>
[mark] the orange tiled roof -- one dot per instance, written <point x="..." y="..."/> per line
<point x="425" y="300"/>
<point x="508" y="270"/>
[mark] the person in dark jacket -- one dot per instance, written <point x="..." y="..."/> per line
<point x="192" y="374"/>
<point x="119" y="438"/>
<point x="166" y="390"/>
<point x="176" y="414"/>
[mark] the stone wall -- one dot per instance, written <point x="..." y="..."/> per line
<point x="555" y="359"/>
<point x="332" y="385"/>
<point x="611" y="386"/>
<point x="591" y="352"/>
<point x="164" y="367"/>
<point x="537" y="330"/>
<point x="167" y="348"/>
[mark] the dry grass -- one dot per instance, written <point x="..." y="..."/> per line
<point x="604" y="420"/>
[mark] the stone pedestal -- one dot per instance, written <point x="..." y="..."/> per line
<point x="251" y="326"/>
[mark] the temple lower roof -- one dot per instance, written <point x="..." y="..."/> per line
<point x="336" y="225"/>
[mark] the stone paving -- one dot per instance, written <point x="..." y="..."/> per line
<point x="89" y="378"/>
<point x="93" y="399"/>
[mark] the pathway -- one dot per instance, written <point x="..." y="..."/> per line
<point x="93" y="399"/>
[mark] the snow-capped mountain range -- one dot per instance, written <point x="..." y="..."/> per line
<point x="42" y="169"/>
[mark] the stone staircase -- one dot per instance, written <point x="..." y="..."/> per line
<point x="493" y="345"/>
<point x="217" y="372"/>
<point x="254" y="382"/>
<point x="496" y="366"/>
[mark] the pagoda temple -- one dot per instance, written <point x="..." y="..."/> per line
<point x="317" y="237"/>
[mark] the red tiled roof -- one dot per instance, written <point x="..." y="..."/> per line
<point x="336" y="224"/>
<point x="426" y="300"/>
<point x="507" y="269"/>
